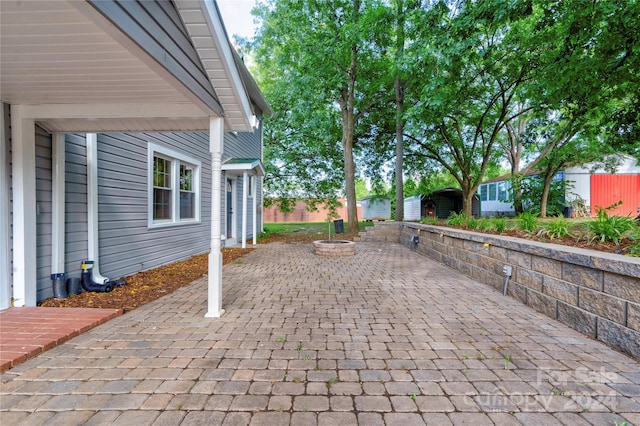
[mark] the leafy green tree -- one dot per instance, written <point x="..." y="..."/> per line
<point x="361" y="188"/>
<point x="320" y="55"/>
<point x="593" y="65"/>
<point x="475" y="64"/>
<point x="563" y="142"/>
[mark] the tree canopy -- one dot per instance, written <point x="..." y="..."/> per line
<point x="411" y="88"/>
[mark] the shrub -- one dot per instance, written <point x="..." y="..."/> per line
<point x="484" y="224"/>
<point x="430" y="221"/>
<point x="558" y="228"/>
<point x="456" y="219"/>
<point x="528" y="221"/>
<point x="499" y="223"/>
<point x="635" y="249"/>
<point x="610" y="228"/>
<point x="472" y="223"/>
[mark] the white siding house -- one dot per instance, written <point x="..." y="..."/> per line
<point x="119" y="123"/>
<point x="584" y="185"/>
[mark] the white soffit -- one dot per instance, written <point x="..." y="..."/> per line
<point x="77" y="73"/>
<point x="209" y="37"/>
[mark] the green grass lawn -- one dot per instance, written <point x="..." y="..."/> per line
<point x="305" y="228"/>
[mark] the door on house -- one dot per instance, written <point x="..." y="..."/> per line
<point x="229" y="208"/>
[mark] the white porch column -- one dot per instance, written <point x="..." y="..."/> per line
<point x="254" y="208"/>
<point x="244" y="208"/>
<point x="5" y="275"/>
<point x="57" y="202"/>
<point x="23" y="136"/>
<point x="214" y="293"/>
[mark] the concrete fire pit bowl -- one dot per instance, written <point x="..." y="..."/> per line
<point x="334" y="248"/>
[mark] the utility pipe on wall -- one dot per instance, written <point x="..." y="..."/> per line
<point x="92" y="207"/>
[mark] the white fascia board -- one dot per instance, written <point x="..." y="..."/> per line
<point x="219" y="35"/>
<point x="255" y="166"/>
<point x="98" y="111"/>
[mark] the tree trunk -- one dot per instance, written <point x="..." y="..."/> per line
<point x="348" y="125"/>
<point x="468" y="191"/>
<point x="399" y="216"/>
<point x="349" y="174"/>
<point x="548" y="178"/>
<point x="516" y="189"/>
<point x="399" y="91"/>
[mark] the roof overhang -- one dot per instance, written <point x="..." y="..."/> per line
<point x="237" y="166"/>
<point x="72" y="70"/>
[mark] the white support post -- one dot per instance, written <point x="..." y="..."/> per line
<point x="214" y="292"/>
<point x="23" y="137"/>
<point x="58" y="200"/>
<point x="244" y="208"/>
<point x="5" y="275"/>
<point x="254" y="208"/>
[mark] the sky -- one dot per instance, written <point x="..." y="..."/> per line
<point x="237" y="18"/>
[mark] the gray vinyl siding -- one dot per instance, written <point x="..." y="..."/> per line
<point x="127" y="245"/>
<point x="157" y="28"/>
<point x="243" y="145"/>
<point x="43" y="214"/>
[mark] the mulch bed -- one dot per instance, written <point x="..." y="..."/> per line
<point x="623" y="248"/>
<point x="145" y="287"/>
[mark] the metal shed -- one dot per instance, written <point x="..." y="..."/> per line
<point x="413" y="208"/>
<point x="443" y="202"/>
<point x="376" y="208"/>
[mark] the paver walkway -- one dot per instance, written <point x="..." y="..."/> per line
<point x="383" y="337"/>
<point x="27" y="331"/>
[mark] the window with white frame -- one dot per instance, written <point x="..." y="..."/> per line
<point x="174" y="187"/>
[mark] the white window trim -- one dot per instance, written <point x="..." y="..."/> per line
<point x="153" y="150"/>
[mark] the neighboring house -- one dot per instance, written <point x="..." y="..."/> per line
<point x="130" y="135"/>
<point x="594" y="185"/>
<point x="438" y="204"/>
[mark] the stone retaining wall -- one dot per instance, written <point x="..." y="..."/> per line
<point x="595" y="293"/>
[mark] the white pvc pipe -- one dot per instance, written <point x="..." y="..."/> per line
<point x="57" y="203"/>
<point x="93" y="251"/>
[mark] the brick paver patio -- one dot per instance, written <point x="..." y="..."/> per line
<point x="385" y="337"/>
